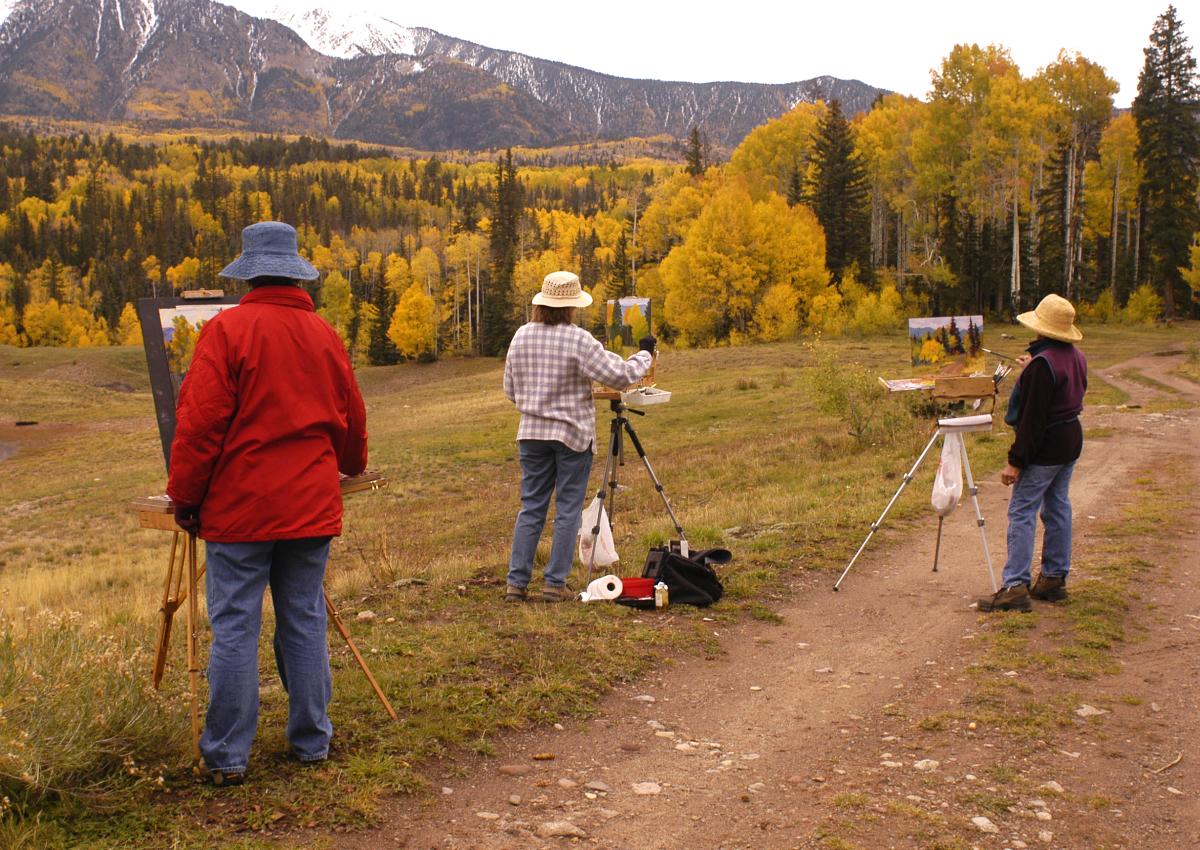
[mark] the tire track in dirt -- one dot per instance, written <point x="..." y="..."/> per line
<point x="747" y="749"/>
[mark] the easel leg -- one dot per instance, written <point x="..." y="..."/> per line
<point x="937" y="547"/>
<point x="341" y="627"/>
<point x="974" y="491"/>
<point x="875" y="525"/>
<point x="193" y="660"/>
<point x="170" y="604"/>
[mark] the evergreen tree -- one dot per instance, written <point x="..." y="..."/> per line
<point x="498" y="324"/>
<point x="840" y="195"/>
<point x="694" y="156"/>
<point x="1166" y="112"/>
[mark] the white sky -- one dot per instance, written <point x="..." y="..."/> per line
<point x="888" y="44"/>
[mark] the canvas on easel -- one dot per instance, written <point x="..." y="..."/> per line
<point x="170" y="327"/>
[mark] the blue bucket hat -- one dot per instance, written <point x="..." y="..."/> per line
<point x="269" y="250"/>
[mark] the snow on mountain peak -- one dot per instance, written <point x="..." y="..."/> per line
<point x="346" y="34"/>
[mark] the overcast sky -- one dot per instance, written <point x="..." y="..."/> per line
<point x="887" y="44"/>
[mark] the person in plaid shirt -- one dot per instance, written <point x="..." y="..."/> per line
<point x="548" y="375"/>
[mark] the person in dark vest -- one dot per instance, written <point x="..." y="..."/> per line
<point x="1044" y="409"/>
<point x="268" y="415"/>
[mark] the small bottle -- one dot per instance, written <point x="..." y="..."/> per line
<point x="661" y="599"/>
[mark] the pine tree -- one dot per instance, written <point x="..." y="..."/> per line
<point x="498" y="324"/>
<point x="1166" y="111"/>
<point x="694" y="156"/>
<point x="840" y="195"/>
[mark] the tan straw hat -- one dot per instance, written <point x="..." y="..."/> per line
<point x="1053" y="318"/>
<point x="562" y="289"/>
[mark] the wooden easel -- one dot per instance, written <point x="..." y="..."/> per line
<point x="182" y="585"/>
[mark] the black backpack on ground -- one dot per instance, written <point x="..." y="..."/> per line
<point x="691" y="580"/>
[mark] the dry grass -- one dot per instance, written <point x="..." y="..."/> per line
<point x="753" y="453"/>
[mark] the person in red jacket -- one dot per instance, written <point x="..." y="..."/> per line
<point x="269" y="413"/>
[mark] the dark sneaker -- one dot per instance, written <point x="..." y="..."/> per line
<point x="1015" y="598"/>
<point x="557" y="593"/>
<point x="512" y="593"/>
<point x="221" y="779"/>
<point x="1049" y="588"/>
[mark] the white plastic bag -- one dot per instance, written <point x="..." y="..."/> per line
<point x="606" y="549"/>
<point x="947" y="484"/>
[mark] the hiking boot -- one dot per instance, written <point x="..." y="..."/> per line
<point x="512" y="593"/>
<point x="1049" y="588"/>
<point x="1015" y="598"/>
<point x="557" y="593"/>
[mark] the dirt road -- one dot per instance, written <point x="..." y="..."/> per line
<point x="851" y="724"/>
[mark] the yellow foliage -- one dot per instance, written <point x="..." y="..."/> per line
<point x="397" y="274"/>
<point x="70" y="325"/>
<point x="129" y="329"/>
<point x="185" y="274"/>
<point x="337" y="305"/>
<point x="770" y="153"/>
<point x="932" y="351"/>
<point x="8" y="326"/>
<point x="413" y="327"/>
<point x="776" y="315"/>
<point x="368" y="318"/>
<point x="825" y="313"/>
<point x="736" y="251"/>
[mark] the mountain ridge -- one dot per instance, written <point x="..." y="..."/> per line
<point x="181" y="63"/>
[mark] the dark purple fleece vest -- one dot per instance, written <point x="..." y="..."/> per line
<point x="1069" y="367"/>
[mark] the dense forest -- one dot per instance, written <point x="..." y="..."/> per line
<point x="995" y="190"/>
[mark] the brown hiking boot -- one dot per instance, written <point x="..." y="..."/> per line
<point x="1049" y="588"/>
<point x="557" y="593"/>
<point x="512" y="593"/>
<point x="1015" y="598"/>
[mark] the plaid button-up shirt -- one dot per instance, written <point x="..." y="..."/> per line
<point x="548" y="374"/>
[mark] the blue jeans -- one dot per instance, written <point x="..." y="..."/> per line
<point x="548" y="466"/>
<point x="1044" y="487"/>
<point x="237" y="575"/>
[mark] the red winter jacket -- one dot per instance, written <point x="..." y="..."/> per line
<point x="268" y="414"/>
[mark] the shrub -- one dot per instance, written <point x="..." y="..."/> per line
<point x="851" y="393"/>
<point x="1143" y="307"/>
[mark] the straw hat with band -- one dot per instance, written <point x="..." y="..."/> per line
<point x="269" y="250"/>
<point x="1053" y="318"/>
<point x="562" y="289"/>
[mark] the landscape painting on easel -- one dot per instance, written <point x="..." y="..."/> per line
<point x="170" y="328"/>
<point x="946" y="345"/>
<point x="627" y="320"/>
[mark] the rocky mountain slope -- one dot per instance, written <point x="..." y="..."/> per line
<point x="199" y="63"/>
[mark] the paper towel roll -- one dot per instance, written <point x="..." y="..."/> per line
<point x="605" y="587"/>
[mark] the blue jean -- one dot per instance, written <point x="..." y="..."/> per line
<point x="237" y="575"/>
<point x="1044" y="487"/>
<point x="548" y="466"/>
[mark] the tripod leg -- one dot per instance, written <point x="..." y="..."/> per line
<point x="974" y="491"/>
<point x="341" y="627"/>
<point x="609" y="469"/>
<point x="875" y="525"/>
<point x="637" y="444"/>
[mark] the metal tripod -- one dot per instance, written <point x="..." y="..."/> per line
<point x="945" y="426"/>
<point x="619" y="427"/>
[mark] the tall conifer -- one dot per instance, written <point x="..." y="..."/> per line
<point x="840" y="195"/>
<point x="1166" y="110"/>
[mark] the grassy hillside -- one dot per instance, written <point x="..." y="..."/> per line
<point x="754" y="449"/>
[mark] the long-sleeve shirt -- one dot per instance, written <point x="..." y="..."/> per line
<point x="548" y="374"/>
<point x="1038" y="441"/>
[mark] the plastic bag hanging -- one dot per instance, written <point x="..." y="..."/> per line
<point x="606" y="549"/>
<point x="947" y="484"/>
